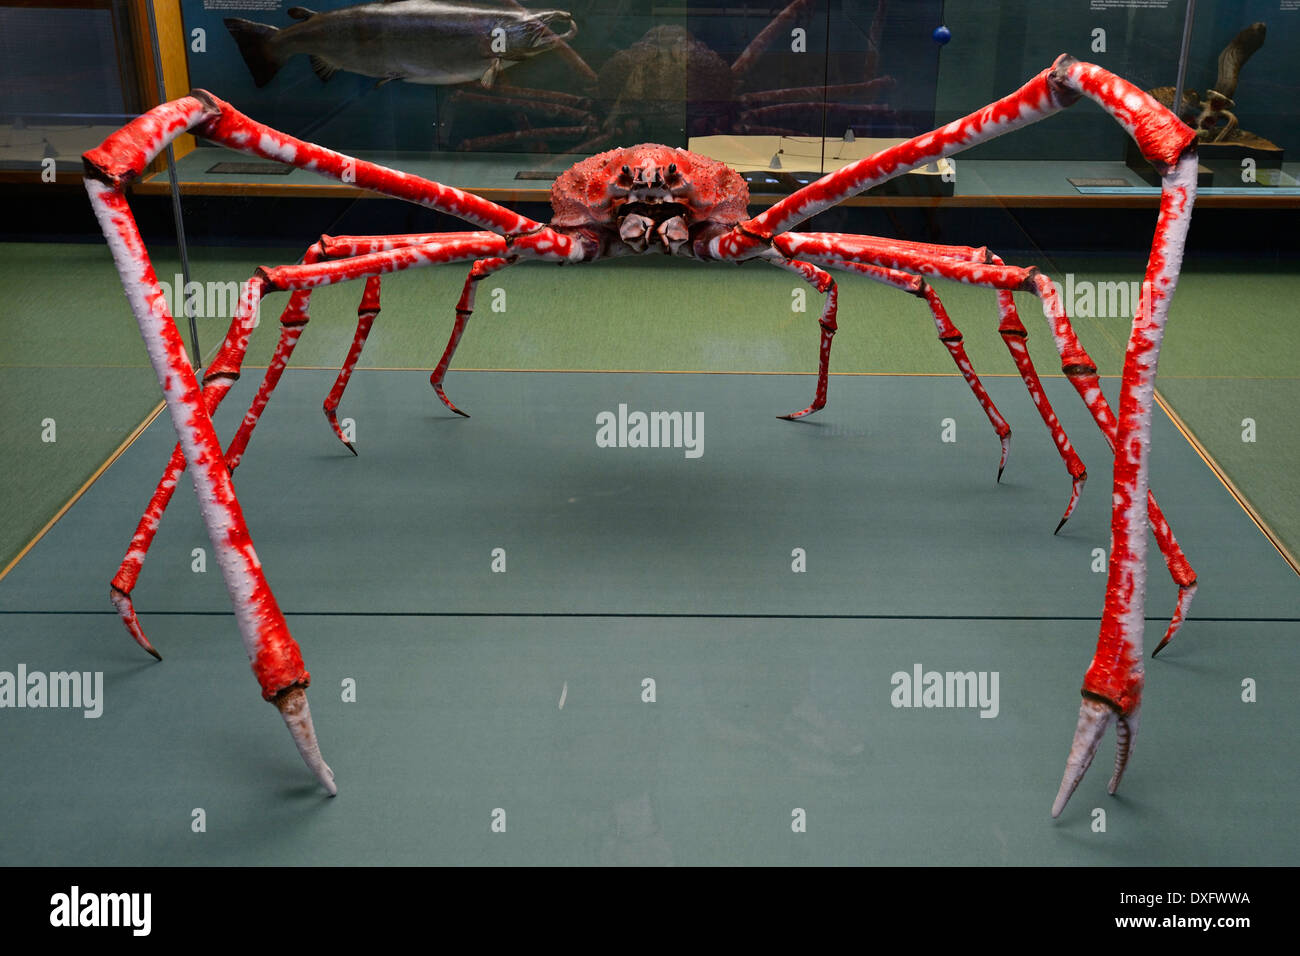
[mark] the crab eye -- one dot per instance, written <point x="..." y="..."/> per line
<point x="627" y="172"/>
<point x="672" y="170"/>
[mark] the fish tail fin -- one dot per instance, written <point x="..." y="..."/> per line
<point x="254" y="40"/>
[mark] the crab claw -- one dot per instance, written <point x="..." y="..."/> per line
<point x="1094" y="718"/>
<point x="1076" y="489"/>
<point x="673" y="233"/>
<point x="292" y="704"/>
<point x="636" y="230"/>
<point x="126" y="611"/>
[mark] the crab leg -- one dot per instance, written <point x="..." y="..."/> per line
<point x="816" y="95"/>
<point x="292" y="321"/>
<point x="214" y="119"/>
<point x="1077" y="365"/>
<point x="1014" y="336"/>
<point x="1112" y="688"/>
<point x="1159" y="134"/>
<point x="766" y="37"/>
<point x="366" y="312"/>
<point x="1102" y="687"/>
<point x="853" y="111"/>
<point x="221" y="376"/>
<point x="822" y="281"/>
<point x="275" y="657"/>
<point x="549" y="108"/>
<point x="540" y="134"/>
<point x="1114" y="681"/>
<point x="949" y="335"/>
<point x="464" y="309"/>
<point x="110" y="168"/>
<point x="341" y="247"/>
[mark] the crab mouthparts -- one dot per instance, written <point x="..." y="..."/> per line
<point x="651" y="212"/>
<point x="646" y="222"/>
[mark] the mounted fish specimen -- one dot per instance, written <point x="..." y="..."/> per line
<point x="420" y="41"/>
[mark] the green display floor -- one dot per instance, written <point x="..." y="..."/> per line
<point x="650" y="679"/>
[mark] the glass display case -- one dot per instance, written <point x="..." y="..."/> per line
<point x="625" y="610"/>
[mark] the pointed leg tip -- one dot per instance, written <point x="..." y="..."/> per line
<point x="293" y="707"/>
<point x="126" y="611"/>
<point x="352" y="448"/>
<point x="442" y="397"/>
<point x="1094" y="718"/>
<point x="1001" y="468"/>
<point x="1160" y="647"/>
<point x="795" y="416"/>
<point x="1061" y="524"/>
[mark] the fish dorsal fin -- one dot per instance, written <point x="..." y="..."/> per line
<point x="300" y="13"/>
<point x="323" y="68"/>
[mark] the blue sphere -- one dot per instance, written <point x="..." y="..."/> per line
<point x="941" y="35"/>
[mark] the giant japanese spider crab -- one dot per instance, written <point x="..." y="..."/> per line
<point x="656" y="199"/>
<point x="648" y="90"/>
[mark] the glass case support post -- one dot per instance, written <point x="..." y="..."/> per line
<point x="1188" y="17"/>
<point x="196" y="358"/>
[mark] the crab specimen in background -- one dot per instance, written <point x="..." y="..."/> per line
<point x="669" y="86"/>
<point x="657" y="199"/>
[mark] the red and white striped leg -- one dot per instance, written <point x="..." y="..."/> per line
<point x="122" y="158"/>
<point x="275" y="657"/>
<point x="829" y="248"/>
<point x="216" y="384"/>
<point x="1015" y="337"/>
<point x="464" y="309"/>
<point x="820" y="280"/>
<point x="366" y="312"/>
<point x="1112" y="687"/>
<point x="949" y="335"/>
<point x="1082" y="373"/>
<point x="292" y="322"/>
<point x="221" y="376"/>
<point x="338" y="246"/>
